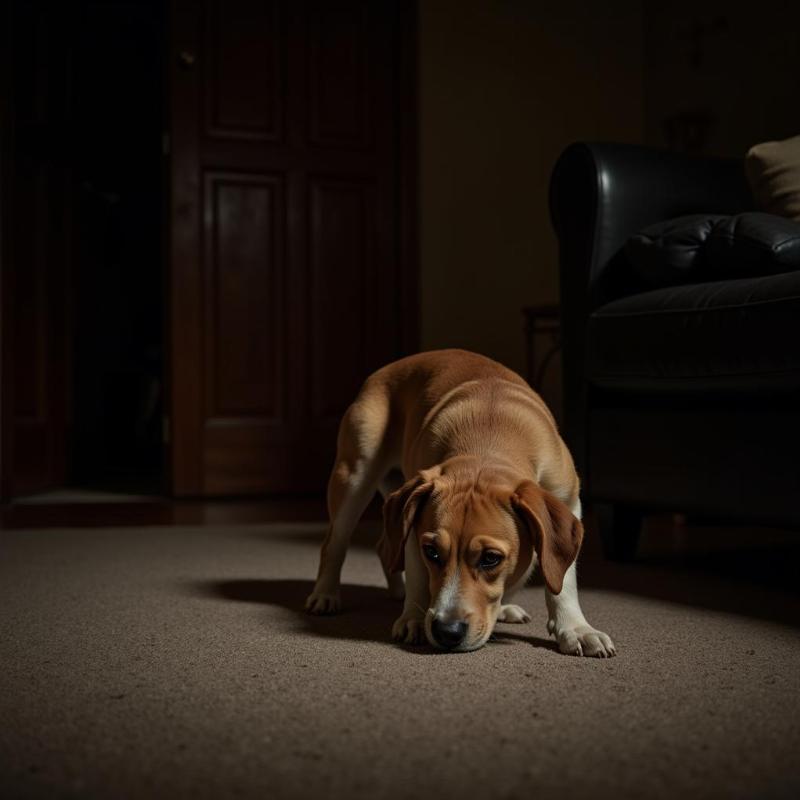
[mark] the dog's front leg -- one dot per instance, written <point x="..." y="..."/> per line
<point x="349" y="491"/>
<point x="575" y="636"/>
<point x="410" y="625"/>
<point x="326" y="597"/>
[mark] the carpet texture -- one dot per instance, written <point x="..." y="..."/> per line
<point x="175" y="662"/>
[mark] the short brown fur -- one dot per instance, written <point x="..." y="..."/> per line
<point x="483" y="475"/>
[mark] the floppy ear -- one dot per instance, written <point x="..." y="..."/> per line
<point x="557" y="534"/>
<point x="400" y="511"/>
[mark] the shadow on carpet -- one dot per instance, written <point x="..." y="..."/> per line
<point x="367" y="615"/>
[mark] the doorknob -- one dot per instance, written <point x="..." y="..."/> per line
<point x="186" y="59"/>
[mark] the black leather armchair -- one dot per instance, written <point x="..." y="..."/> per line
<point x="683" y="398"/>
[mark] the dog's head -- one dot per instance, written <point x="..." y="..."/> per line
<point x="478" y="534"/>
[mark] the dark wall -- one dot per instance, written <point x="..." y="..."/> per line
<point x="720" y="76"/>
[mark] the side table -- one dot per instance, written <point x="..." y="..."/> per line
<point x="540" y="321"/>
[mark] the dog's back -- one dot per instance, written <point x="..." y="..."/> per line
<point x="452" y="402"/>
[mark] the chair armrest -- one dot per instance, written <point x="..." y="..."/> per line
<point x="602" y="193"/>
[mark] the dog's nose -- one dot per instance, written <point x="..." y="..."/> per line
<point x="449" y="634"/>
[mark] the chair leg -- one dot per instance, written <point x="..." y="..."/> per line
<point x="620" y="527"/>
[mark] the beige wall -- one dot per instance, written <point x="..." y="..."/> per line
<point x="505" y="85"/>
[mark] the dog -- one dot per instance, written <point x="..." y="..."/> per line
<point x="478" y="488"/>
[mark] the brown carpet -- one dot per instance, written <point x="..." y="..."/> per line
<point x="175" y="662"/>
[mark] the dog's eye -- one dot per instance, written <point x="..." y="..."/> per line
<point x="431" y="553"/>
<point x="490" y="559"/>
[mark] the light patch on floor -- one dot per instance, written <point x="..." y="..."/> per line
<point x="83" y="496"/>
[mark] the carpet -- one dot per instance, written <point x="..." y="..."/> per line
<point x="176" y="662"/>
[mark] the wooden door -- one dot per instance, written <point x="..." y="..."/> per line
<point x="292" y="244"/>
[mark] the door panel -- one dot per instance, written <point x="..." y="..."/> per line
<point x="340" y="252"/>
<point x="291" y="273"/>
<point x="244" y="48"/>
<point x="244" y="290"/>
<point x="339" y="111"/>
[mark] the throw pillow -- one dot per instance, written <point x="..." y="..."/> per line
<point x="773" y="171"/>
<point x="671" y="253"/>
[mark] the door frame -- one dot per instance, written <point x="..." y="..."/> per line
<point x="6" y="132"/>
<point x="53" y="320"/>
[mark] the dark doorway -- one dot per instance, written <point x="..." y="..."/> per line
<point x="118" y="329"/>
<point x="83" y="275"/>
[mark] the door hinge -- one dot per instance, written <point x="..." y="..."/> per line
<point x="165" y="143"/>
<point x="165" y="430"/>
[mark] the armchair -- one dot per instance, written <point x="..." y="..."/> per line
<point x="681" y="398"/>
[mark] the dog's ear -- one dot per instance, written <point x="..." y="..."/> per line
<point x="400" y="512"/>
<point x="556" y="533"/>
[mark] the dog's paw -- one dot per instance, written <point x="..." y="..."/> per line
<point x="409" y="630"/>
<point x="324" y="602"/>
<point x="582" y="640"/>
<point x="512" y="613"/>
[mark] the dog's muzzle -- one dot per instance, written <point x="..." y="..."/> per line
<point x="448" y="635"/>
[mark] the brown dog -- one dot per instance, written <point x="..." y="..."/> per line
<point x="490" y="490"/>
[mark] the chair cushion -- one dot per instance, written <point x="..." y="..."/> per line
<point x="773" y="171"/>
<point x="672" y="252"/>
<point x="733" y="335"/>
<point x="705" y="247"/>
<point x="752" y="244"/>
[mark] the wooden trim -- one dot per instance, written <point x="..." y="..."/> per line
<point x="165" y="477"/>
<point x="6" y="133"/>
<point x="185" y="267"/>
<point x="408" y="30"/>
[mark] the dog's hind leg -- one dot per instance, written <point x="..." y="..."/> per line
<point x="354" y="480"/>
